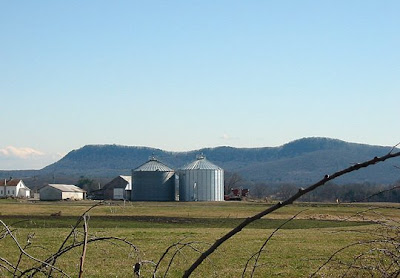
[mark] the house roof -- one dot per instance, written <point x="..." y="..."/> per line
<point x="67" y="187"/>
<point x="129" y="182"/>
<point x="120" y="181"/>
<point x="13" y="182"/>
<point x="127" y="178"/>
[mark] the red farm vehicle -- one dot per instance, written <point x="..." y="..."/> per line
<point x="236" y="194"/>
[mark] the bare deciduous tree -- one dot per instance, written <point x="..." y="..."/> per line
<point x="48" y="265"/>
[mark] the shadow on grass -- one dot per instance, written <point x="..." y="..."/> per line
<point x="137" y="222"/>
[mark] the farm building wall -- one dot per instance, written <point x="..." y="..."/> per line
<point x="201" y="185"/>
<point x="53" y="192"/>
<point x="153" y="186"/>
<point x="118" y="189"/>
<point x="153" y="181"/>
<point x="72" y="195"/>
<point x="119" y="193"/>
<point x="8" y="191"/>
<point x="201" y="180"/>
<point x="49" y="193"/>
<point x="24" y="192"/>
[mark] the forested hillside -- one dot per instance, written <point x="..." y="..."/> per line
<point x="299" y="162"/>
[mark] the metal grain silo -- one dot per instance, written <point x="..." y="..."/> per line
<point x="201" y="180"/>
<point x="153" y="181"/>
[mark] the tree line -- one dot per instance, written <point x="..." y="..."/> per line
<point x="331" y="192"/>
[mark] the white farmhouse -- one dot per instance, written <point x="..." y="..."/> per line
<point x="54" y="192"/>
<point x="14" y="188"/>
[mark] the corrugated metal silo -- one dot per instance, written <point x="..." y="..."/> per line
<point x="201" y="180"/>
<point x="153" y="181"/>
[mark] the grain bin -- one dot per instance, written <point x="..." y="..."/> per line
<point x="201" y="180"/>
<point x="153" y="181"/>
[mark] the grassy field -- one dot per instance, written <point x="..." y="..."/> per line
<point x="296" y="250"/>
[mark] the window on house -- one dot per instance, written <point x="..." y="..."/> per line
<point x="1" y="192"/>
<point x="12" y="192"/>
<point x="8" y="191"/>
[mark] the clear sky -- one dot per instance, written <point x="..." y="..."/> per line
<point x="182" y="75"/>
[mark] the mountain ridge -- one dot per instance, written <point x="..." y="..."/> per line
<point x="300" y="161"/>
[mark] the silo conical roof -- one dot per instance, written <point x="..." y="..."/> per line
<point x="201" y="163"/>
<point x="153" y="165"/>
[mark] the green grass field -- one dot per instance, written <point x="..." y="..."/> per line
<point x="296" y="250"/>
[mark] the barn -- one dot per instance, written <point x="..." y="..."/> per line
<point x="55" y="192"/>
<point x="118" y="189"/>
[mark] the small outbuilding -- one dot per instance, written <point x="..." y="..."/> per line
<point x="14" y="188"/>
<point x="118" y="189"/>
<point x="55" y="192"/>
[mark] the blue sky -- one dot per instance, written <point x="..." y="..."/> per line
<point x="182" y="75"/>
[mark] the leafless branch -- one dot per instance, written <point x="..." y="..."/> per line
<point x="178" y="250"/>
<point x="72" y="232"/>
<point x="394" y="147"/>
<point x="382" y="255"/>
<point x="85" y="232"/>
<point x="8" y="264"/>
<point x="373" y="264"/>
<point x="180" y="245"/>
<point x="22" y="251"/>
<point x="258" y="253"/>
<point x="337" y="252"/>
<point x="28" y="242"/>
<point x="64" y="248"/>
<point x="76" y="245"/>
<point x="376" y="194"/>
<point x="164" y="254"/>
<point x="288" y="201"/>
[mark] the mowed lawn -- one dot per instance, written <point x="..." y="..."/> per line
<point x="298" y="249"/>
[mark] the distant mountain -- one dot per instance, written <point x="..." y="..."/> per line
<point x="302" y="161"/>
